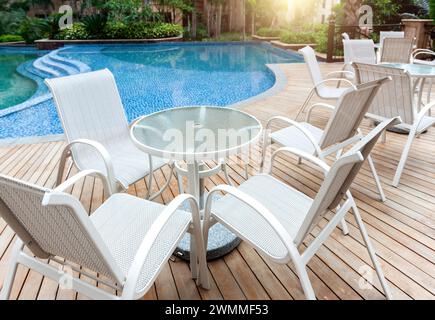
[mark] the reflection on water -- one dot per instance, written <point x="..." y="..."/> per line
<point x="159" y="76"/>
<point x="222" y="58"/>
<point x="14" y="88"/>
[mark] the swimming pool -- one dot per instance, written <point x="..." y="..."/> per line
<point x="153" y="77"/>
<point x="14" y="87"/>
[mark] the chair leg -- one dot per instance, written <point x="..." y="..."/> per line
<point x="343" y="226"/>
<point x="384" y="136"/>
<point x="372" y="253"/>
<point x="304" y="105"/>
<point x="203" y="276"/>
<point x="193" y="257"/>
<point x="305" y="280"/>
<point x="5" y="293"/>
<point x="166" y="185"/>
<point x="403" y="158"/>
<point x="376" y="177"/>
<point x="225" y="171"/>
<point x="66" y="153"/>
<point x="264" y="146"/>
<point x="179" y="183"/>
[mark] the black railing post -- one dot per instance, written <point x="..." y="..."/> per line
<point x="331" y="40"/>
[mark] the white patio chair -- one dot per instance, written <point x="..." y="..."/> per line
<point x="388" y="34"/>
<point x="359" y="51"/>
<point x="345" y="36"/>
<point x="397" y="50"/>
<point x="396" y="99"/>
<point x="320" y="88"/>
<point x="424" y="52"/>
<point x="340" y="131"/>
<point x="280" y="217"/>
<point x="127" y="240"/>
<point x="97" y="131"/>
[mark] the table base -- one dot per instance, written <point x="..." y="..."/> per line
<point x="221" y="242"/>
<point x="396" y="129"/>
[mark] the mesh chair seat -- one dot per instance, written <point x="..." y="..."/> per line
<point x="426" y="123"/>
<point x="288" y="205"/>
<point x="331" y="92"/>
<point x="124" y="220"/>
<point x="129" y="163"/>
<point x="293" y="137"/>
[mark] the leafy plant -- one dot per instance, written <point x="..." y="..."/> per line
<point x="303" y="37"/>
<point x="76" y="32"/>
<point x="32" y="29"/>
<point x="95" y="25"/>
<point x="432" y="9"/>
<point x="115" y="30"/>
<point x="10" y="20"/>
<point x="269" y="32"/>
<point x="10" y="38"/>
<point x="125" y="11"/>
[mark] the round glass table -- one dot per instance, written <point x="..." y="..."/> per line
<point x="193" y="135"/>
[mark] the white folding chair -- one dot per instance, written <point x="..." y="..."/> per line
<point x="340" y="131"/>
<point x="275" y="218"/>
<point x="126" y="241"/>
<point x="320" y="88"/>
<point x="97" y="131"/>
<point x="396" y="99"/>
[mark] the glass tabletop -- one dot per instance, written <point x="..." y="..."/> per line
<point x="196" y="133"/>
<point x="415" y="70"/>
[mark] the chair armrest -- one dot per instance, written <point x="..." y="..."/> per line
<point x="342" y="73"/>
<point x="304" y="155"/>
<point x="334" y="79"/>
<point x="297" y="125"/>
<point x="422" y="51"/>
<point x="316" y="105"/>
<point x="422" y="112"/>
<point x="82" y="174"/>
<point x="141" y="256"/>
<point x="105" y="156"/>
<point x="256" y="206"/>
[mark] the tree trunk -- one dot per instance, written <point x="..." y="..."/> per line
<point x="351" y="9"/>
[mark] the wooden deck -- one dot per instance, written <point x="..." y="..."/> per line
<point x="402" y="229"/>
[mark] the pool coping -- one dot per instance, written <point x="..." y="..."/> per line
<point x="279" y="85"/>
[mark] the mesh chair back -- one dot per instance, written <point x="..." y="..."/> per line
<point x="313" y="65"/>
<point x="359" y="51"/>
<point x="352" y="107"/>
<point x="397" y="50"/>
<point x="340" y="177"/>
<point x="89" y="107"/>
<point x="54" y="230"/>
<point x="395" y="98"/>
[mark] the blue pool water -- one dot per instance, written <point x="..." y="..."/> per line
<point x="159" y="76"/>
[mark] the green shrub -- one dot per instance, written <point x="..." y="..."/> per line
<point x="201" y="33"/>
<point x="298" y="37"/>
<point x="307" y="34"/>
<point x="138" y="30"/>
<point x="165" y="30"/>
<point x="95" y="25"/>
<point x="268" y="32"/>
<point x="432" y="9"/>
<point x="115" y="30"/>
<point x="76" y="32"/>
<point x="10" y="21"/>
<point x="10" y="38"/>
<point x="32" y="29"/>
